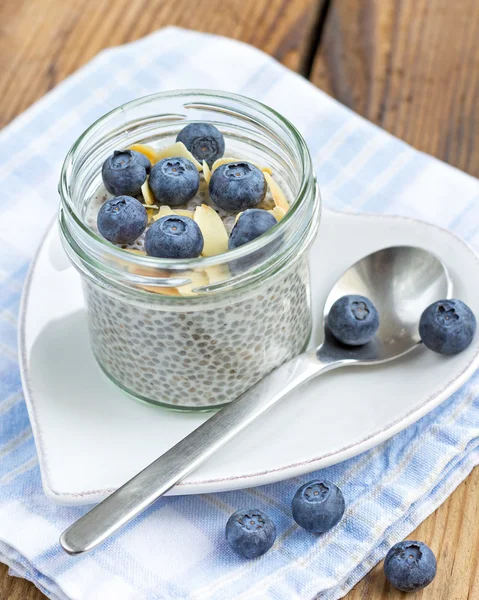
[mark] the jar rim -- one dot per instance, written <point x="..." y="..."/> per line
<point x="132" y="259"/>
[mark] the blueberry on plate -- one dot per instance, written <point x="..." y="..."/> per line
<point x="237" y="186"/>
<point x="353" y="320"/>
<point x="251" y="224"/>
<point x="123" y="173"/>
<point x="122" y="220"/>
<point x="204" y="141"/>
<point x="318" y="506"/>
<point x="410" y="566"/>
<point x="143" y="160"/>
<point x="250" y="532"/>
<point x="447" y="326"/>
<point x="174" y="181"/>
<point x="174" y="236"/>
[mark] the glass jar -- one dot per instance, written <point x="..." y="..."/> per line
<point x="194" y="333"/>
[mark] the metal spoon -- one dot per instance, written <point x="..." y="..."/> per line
<point x="401" y="281"/>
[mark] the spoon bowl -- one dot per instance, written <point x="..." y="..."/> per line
<point x="401" y="281"/>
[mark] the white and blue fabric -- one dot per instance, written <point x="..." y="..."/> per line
<point x="177" y="548"/>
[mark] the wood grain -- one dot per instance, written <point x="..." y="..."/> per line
<point x="453" y="535"/>
<point x="12" y="588"/>
<point x="412" y="67"/>
<point x="409" y="65"/>
<point x="44" y="41"/>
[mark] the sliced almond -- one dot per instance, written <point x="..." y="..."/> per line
<point x="277" y="193"/>
<point x="166" y="210"/>
<point x="222" y="161"/>
<point x="217" y="273"/>
<point x="144" y="271"/>
<point x="277" y="212"/>
<point x="177" y="149"/>
<point x="147" y="193"/>
<point x="184" y="213"/>
<point x="151" y="212"/>
<point x="164" y="291"/>
<point x="163" y="212"/>
<point x="197" y="278"/>
<point x="147" y="151"/>
<point x="213" y="230"/>
<point x="151" y="272"/>
<point x="229" y="159"/>
<point x="206" y="172"/>
<point x="267" y="203"/>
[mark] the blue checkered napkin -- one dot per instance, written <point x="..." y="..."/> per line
<point x="176" y="549"/>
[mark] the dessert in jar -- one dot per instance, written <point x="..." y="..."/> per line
<point x="189" y="216"/>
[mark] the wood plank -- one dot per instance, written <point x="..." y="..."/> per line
<point x="453" y="535"/>
<point x="412" y="67"/>
<point x="12" y="588"/>
<point x="44" y="41"/>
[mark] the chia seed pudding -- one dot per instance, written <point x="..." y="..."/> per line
<point x="199" y="344"/>
<point x="203" y="357"/>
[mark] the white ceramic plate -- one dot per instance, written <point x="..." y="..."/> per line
<point x="91" y="437"/>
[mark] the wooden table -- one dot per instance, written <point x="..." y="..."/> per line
<point x="411" y="66"/>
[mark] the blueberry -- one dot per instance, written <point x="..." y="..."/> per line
<point x="174" y="181"/>
<point x="143" y="160"/>
<point x="174" y="236"/>
<point x="410" y="566"/>
<point x="447" y="326"/>
<point x="250" y="225"/>
<point x="122" y="220"/>
<point x="318" y="506"/>
<point x="123" y="173"/>
<point x="250" y="532"/>
<point x="237" y="186"/>
<point x="353" y="320"/>
<point x="256" y="258"/>
<point x="204" y="141"/>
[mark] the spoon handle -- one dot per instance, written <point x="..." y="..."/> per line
<point x="143" y="489"/>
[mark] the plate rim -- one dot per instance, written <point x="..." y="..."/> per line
<point x="265" y="477"/>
